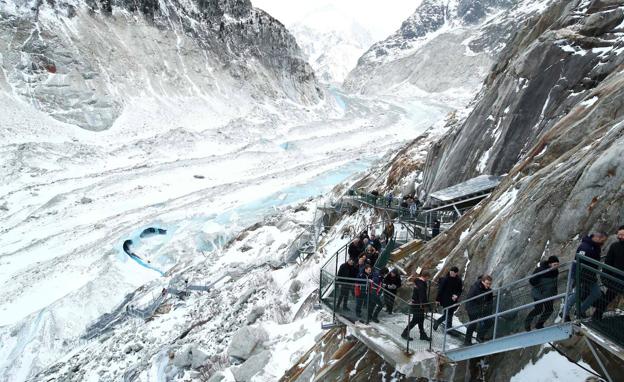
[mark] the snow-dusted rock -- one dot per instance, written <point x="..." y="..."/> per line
<point x="251" y="367"/>
<point x="255" y="313"/>
<point x="247" y="341"/>
<point x="189" y="356"/>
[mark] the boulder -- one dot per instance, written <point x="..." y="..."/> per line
<point x="601" y="22"/>
<point x="246" y="342"/>
<point x="217" y="377"/>
<point x="255" y="313"/>
<point x="251" y="367"/>
<point x="189" y="356"/>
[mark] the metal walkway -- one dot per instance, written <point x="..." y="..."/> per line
<point x="499" y="316"/>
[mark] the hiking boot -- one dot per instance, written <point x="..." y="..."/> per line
<point x="527" y="326"/>
<point x="375" y="319"/>
<point x="405" y="335"/>
<point x="424" y="337"/>
<point x="539" y="326"/>
<point x="435" y="326"/>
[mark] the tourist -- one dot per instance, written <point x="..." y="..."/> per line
<point x="392" y="283"/>
<point x="450" y="288"/>
<point x="589" y="290"/>
<point x="479" y="305"/>
<point x="615" y="286"/>
<point x="346" y="273"/>
<point x="544" y="286"/>
<point x="419" y="301"/>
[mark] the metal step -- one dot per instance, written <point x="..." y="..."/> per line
<point x="516" y="341"/>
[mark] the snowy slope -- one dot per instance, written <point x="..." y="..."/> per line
<point x="446" y="48"/>
<point x="73" y="196"/>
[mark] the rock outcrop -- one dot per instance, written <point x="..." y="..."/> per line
<point x="82" y="62"/>
<point x="551" y="116"/>
<point x="544" y="73"/>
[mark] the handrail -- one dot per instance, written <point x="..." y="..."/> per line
<point x="506" y="286"/>
<point x="508" y="311"/>
<point x="608" y="267"/>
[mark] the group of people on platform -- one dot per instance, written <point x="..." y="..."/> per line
<point x="359" y="277"/>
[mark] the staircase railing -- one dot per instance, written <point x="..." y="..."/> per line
<point x="600" y="286"/>
<point x="358" y="300"/>
<point x="503" y="311"/>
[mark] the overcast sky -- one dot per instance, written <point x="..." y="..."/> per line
<point x="380" y="17"/>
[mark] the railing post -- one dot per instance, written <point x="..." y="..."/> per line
<point x="430" y="325"/>
<point x="568" y="292"/>
<point x="446" y="311"/>
<point x="577" y="295"/>
<point x="409" y="313"/>
<point x="368" y="292"/>
<point x="497" y="311"/>
<point x="335" y="296"/>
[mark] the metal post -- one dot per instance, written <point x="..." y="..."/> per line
<point x="602" y="366"/>
<point x="335" y="295"/>
<point x="367" y="300"/>
<point x="446" y="312"/>
<point x="577" y="288"/>
<point x="407" y="329"/>
<point x="430" y="325"/>
<point x="568" y="292"/>
<point x="496" y="317"/>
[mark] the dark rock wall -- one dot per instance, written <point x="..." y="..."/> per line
<point x="544" y="72"/>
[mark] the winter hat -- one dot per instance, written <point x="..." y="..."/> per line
<point x="552" y="259"/>
<point x="454" y="269"/>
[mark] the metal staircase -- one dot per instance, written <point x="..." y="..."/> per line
<point x="501" y="328"/>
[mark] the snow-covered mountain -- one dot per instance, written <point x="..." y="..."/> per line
<point x="86" y="62"/>
<point x="197" y="117"/>
<point x="445" y="48"/>
<point x="332" y="41"/>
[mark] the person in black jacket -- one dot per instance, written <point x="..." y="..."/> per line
<point x="479" y="307"/>
<point x="435" y="228"/>
<point x="375" y="242"/>
<point x="355" y="249"/>
<point x="347" y="270"/>
<point x="419" y="298"/>
<point x="392" y="283"/>
<point x="449" y="290"/>
<point x="615" y="258"/>
<point x="543" y="285"/>
<point x="589" y="290"/>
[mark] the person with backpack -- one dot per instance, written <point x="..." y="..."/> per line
<point x="392" y="283"/>
<point x="449" y="290"/>
<point x="544" y="285"/>
<point x="347" y="271"/>
<point x="419" y="299"/>
<point x="479" y="303"/>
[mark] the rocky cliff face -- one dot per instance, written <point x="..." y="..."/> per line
<point x="546" y="71"/>
<point x="83" y="62"/>
<point x="444" y="47"/>
<point x="551" y="117"/>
